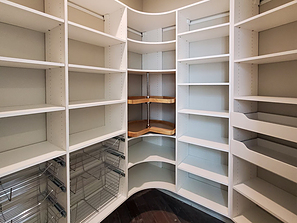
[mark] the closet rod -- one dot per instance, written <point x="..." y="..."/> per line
<point x="205" y="19"/>
<point x="71" y="4"/>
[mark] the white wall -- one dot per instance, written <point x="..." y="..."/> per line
<point x="135" y="4"/>
<point x="164" y="5"/>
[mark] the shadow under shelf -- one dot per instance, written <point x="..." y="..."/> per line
<point x="140" y="127"/>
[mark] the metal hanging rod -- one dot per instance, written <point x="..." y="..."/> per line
<point x="169" y="28"/>
<point x="73" y="5"/>
<point x="205" y="19"/>
<point x="135" y="31"/>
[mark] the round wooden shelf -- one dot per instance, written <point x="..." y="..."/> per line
<point x="139" y="127"/>
<point x="154" y="99"/>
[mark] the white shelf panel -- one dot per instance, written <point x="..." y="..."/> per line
<point x="18" y="159"/>
<point x="289" y="133"/>
<point x="28" y="110"/>
<point x="91" y="69"/>
<point x="278" y="16"/>
<point x="93" y="103"/>
<point x="99" y="6"/>
<point x="262" y="152"/>
<point x="143" y="21"/>
<point x="90" y="137"/>
<point x="24" y="63"/>
<point x="270" y="58"/>
<point x="205" y="8"/>
<point x="221" y="144"/>
<point x="219" y="114"/>
<point x="137" y="71"/>
<point x="203" y="84"/>
<point x="150" y="47"/>
<point x="205" y="195"/>
<point x="255" y="215"/>
<point x="148" y="152"/>
<point x="282" y="100"/>
<point x="146" y="176"/>
<point x="152" y="135"/>
<point x="206" y="59"/>
<point x="88" y="35"/>
<point x="206" y="33"/>
<point x="205" y="169"/>
<point x="25" y="17"/>
<point x="272" y="199"/>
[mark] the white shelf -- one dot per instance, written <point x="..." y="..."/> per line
<point x="255" y="215"/>
<point x="205" y="169"/>
<point x="206" y="195"/>
<point x="88" y="35"/>
<point x="219" y="114"/>
<point x="278" y="16"/>
<point x="90" y="137"/>
<point x="142" y="21"/>
<point x="152" y="135"/>
<point x="147" y="152"/>
<point x="264" y="153"/>
<point x="91" y="69"/>
<point x="150" y="47"/>
<point x="282" y="100"/>
<point x="206" y="59"/>
<point x="272" y="199"/>
<point x="221" y="144"/>
<point x="24" y="63"/>
<point x="146" y="176"/>
<point x="138" y="71"/>
<point x="25" y="17"/>
<point x="289" y="133"/>
<point x="203" y="84"/>
<point x="206" y="33"/>
<point x="93" y="103"/>
<point x="270" y="58"/>
<point x="28" y="110"/>
<point x="18" y="159"/>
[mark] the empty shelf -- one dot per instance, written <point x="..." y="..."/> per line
<point x="278" y="16"/>
<point x="282" y="100"/>
<point x="206" y="59"/>
<point x="137" y="128"/>
<point x="88" y="35"/>
<point x="150" y="47"/>
<point x="24" y="63"/>
<point x="93" y="103"/>
<point x="28" y="110"/>
<point x="206" y="169"/>
<point x="219" y="114"/>
<point x="91" y="69"/>
<point x="220" y="143"/>
<point x="270" y="58"/>
<point x="25" y="17"/>
<point x="272" y="199"/>
<point x="153" y="99"/>
<point x="148" y="152"/>
<point x="138" y="71"/>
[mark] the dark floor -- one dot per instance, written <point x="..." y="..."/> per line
<point x="153" y="206"/>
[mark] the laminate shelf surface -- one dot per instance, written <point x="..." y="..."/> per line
<point x="99" y="6"/>
<point x="93" y="103"/>
<point x="150" y="47"/>
<point x="146" y="175"/>
<point x="220" y="144"/>
<point x="255" y="215"/>
<point x="17" y="159"/>
<point x="272" y="199"/>
<point x="270" y="58"/>
<point x="206" y="59"/>
<point x="137" y="128"/>
<point x="148" y="152"/>
<point x="278" y="16"/>
<point x="219" y="114"/>
<point x="153" y="135"/>
<point x="91" y="69"/>
<point x="138" y="71"/>
<point x="203" y="84"/>
<point x="19" y="15"/>
<point x="206" y="169"/>
<point x="206" y="33"/>
<point x="90" y="137"/>
<point x="25" y="63"/>
<point x="88" y="35"/>
<point x="205" y="195"/>
<point x="28" y="110"/>
<point x="281" y="100"/>
<point x="153" y="99"/>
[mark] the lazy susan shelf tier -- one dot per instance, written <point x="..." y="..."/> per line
<point x="139" y="127"/>
<point x="153" y="99"/>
